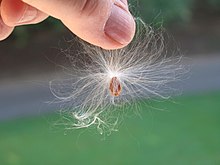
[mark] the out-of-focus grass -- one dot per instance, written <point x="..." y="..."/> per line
<point x="186" y="133"/>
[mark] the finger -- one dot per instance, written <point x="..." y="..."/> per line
<point x="124" y="1"/>
<point x="5" y="30"/>
<point x="16" y="12"/>
<point x="106" y="23"/>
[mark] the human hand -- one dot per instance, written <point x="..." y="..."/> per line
<point x="105" y="23"/>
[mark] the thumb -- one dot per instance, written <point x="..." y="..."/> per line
<point x="105" y="23"/>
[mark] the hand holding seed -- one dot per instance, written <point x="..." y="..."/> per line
<point x="105" y="23"/>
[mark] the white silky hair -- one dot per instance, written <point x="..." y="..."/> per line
<point x="143" y="68"/>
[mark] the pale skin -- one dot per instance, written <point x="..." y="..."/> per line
<point x="104" y="23"/>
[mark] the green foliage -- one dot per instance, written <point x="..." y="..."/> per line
<point x="167" y="11"/>
<point x="23" y="34"/>
<point x="214" y="3"/>
<point x="49" y="24"/>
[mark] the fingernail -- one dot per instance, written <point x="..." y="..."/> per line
<point x="30" y="13"/>
<point x="120" y="25"/>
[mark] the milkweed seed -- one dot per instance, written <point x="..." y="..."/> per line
<point x="115" y="87"/>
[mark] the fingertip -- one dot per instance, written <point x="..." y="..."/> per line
<point x="119" y="29"/>
<point x="120" y="26"/>
<point x="5" y="30"/>
<point x="16" y="12"/>
<point x="31" y="15"/>
<point x="11" y="11"/>
<point x="113" y="30"/>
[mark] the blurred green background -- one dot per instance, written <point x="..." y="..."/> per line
<point x="184" y="130"/>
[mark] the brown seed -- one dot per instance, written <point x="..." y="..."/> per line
<point x="115" y="87"/>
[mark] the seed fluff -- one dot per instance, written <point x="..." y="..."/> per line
<point x="103" y="84"/>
